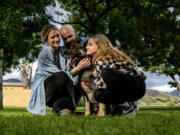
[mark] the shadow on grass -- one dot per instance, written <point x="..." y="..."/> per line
<point x="14" y="109"/>
<point x="160" y="108"/>
<point x="79" y="113"/>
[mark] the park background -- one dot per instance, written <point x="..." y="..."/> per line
<point x="148" y="31"/>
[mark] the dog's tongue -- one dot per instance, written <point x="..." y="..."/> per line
<point x="70" y="62"/>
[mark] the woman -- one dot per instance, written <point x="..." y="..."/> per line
<point x="53" y="84"/>
<point x="117" y="78"/>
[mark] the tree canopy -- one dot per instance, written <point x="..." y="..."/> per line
<point x="147" y="30"/>
<point x="20" y="26"/>
<point x="21" y="22"/>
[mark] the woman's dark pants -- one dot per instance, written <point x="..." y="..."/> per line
<point x="57" y="94"/>
<point x="120" y="88"/>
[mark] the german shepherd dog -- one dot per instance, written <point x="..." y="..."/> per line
<point x="77" y="52"/>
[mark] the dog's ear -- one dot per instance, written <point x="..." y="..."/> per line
<point x="85" y="44"/>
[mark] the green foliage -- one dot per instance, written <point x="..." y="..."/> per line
<point x="167" y="101"/>
<point x="148" y="121"/>
<point x="146" y="30"/>
<point x="81" y="102"/>
<point x="173" y="84"/>
<point x="20" y="26"/>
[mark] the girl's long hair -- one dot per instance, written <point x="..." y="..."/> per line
<point x="107" y="50"/>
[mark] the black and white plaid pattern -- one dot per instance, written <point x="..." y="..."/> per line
<point x="124" y="67"/>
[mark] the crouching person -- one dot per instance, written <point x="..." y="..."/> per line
<point x="53" y="84"/>
<point x="116" y="76"/>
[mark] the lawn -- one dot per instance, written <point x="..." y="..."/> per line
<point x="148" y="121"/>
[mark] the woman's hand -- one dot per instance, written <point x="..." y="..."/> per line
<point x="85" y="88"/>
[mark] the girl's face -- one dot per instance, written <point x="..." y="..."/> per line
<point x="91" y="47"/>
<point x="54" y="39"/>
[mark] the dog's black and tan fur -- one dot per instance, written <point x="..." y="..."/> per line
<point x="78" y="51"/>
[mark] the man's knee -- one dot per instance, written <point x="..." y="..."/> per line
<point x="62" y="75"/>
<point x="61" y="78"/>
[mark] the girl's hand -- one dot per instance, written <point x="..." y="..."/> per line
<point x="84" y="63"/>
<point x="85" y="88"/>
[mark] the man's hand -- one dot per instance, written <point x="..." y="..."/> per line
<point x="85" y="88"/>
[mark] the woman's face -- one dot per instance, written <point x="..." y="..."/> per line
<point x="54" y="39"/>
<point x="91" y="47"/>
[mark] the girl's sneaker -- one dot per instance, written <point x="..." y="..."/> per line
<point x="128" y="109"/>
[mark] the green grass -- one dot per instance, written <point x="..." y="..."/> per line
<point x="148" y="121"/>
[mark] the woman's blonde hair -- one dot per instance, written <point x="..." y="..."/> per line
<point x="45" y="31"/>
<point x="106" y="50"/>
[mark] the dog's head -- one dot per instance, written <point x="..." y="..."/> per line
<point x="76" y="52"/>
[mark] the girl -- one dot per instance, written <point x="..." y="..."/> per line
<point x="116" y="76"/>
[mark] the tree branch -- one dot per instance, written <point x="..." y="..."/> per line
<point x="85" y="9"/>
<point x="143" y="53"/>
<point x="79" y="23"/>
<point x="175" y="81"/>
<point x="100" y="15"/>
<point x="108" y="8"/>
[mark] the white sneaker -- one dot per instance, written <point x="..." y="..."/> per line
<point x="129" y="110"/>
<point x="125" y="104"/>
<point x="136" y="107"/>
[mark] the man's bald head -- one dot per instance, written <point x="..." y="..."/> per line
<point x="67" y="27"/>
<point x="68" y="34"/>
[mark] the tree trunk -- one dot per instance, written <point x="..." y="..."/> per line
<point x="1" y="74"/>
<point x="25" y="80"/>
<point x="30" y="77"/>
<point x="177" y="84"/>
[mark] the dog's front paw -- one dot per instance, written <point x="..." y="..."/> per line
<point x="101" y="113"/>
<point x="87" y="113"/>
<point x="102" y="108"/>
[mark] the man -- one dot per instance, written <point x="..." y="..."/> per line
<point x="69" y="35"/>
